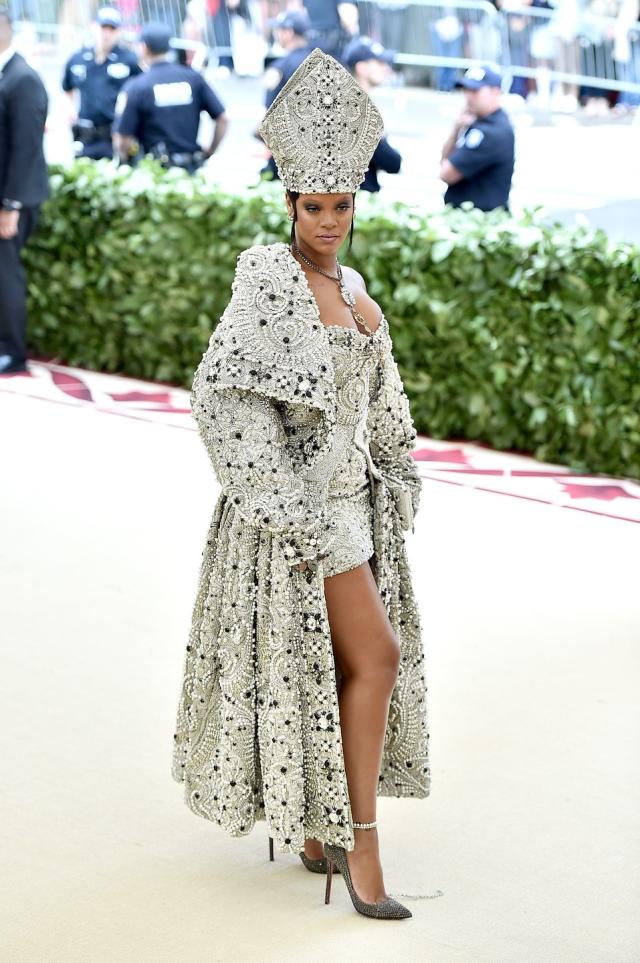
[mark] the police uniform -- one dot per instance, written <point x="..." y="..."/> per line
<point x="99" y="85"/>
<point x="484" y="154"/>
<point x="162" y="108"/>
<point x="286" y="67"/>
<point x="329" y="34"/>
<point x="385" y="157"/>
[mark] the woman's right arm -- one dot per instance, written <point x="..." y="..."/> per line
<point x="246" y="442"/>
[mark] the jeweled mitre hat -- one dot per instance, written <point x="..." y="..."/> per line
<point x="322" y="128"/>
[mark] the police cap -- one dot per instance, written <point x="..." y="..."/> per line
<point x="109" y="17"/>
<point x="477" y="77"/>
<point x="157" y="37"/>
<point x="362" y="48"/>
<point x="296" y="20"/>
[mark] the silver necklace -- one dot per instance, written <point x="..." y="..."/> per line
<point x="347" y="296"/>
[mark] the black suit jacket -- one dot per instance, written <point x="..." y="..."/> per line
<point x="23" y="112"/>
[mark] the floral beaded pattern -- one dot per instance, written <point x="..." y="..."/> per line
<point x="322" y="128"/>
<point x="257" y="733"/>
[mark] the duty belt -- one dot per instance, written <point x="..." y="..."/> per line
<point x="185" y="160"/>
<point x="87" y="132"/>
<point x="177" y="158"/>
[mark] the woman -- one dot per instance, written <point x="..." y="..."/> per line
<point x="304" y="693"/>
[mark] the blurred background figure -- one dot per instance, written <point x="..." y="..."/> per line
<point x="392" y="20"/>
<point x="626" y="53"/>
<point x="446" y="37"/>
<point x="370" y="64"/>
<point x="233" y="29"/>
<point x="333" y="24"/>
<point x="159" y="112"/>
<point x="478" y="156"/>
<point x="24" y="185"/>
<point x="219" y="13"/>
<point x="291" y="31"/>
<point x="93" y="78"/>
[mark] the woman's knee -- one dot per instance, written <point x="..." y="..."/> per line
<point x="375" y="660"/>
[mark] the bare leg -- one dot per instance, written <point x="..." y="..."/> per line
<point x="368" y="654"/>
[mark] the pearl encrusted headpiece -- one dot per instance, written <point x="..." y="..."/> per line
<point x="322" y="128"/>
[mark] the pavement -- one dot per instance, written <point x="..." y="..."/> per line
<point x="526" y="850"/>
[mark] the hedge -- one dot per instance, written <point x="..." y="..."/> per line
<point x="520" y="334"/>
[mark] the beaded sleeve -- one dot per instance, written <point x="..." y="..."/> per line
<point x="246" y="442"/>
<point x="261" y="353"/>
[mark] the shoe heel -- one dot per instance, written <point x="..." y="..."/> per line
<point x="327" y="892"/>
<point x="270" y="848"/>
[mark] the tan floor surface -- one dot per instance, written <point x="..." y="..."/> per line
<point x="532" y="630"/>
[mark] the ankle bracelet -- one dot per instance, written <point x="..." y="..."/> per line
<point x="365" y="825"/>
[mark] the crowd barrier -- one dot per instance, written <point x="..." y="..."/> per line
<point x="565" y="44"/>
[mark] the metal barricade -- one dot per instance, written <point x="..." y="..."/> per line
<point x="570" y="46"/>
<point x="427" y="33"/>
<point x="566" y="44"/>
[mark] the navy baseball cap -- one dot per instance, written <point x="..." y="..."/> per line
<point x="109" y="17"/>
<point x="364" y="49"/>
<point x="157" y="37"/>
<point x="477" y="77"/>
<point x="296" y="20"/>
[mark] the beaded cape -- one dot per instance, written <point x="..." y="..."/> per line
<point x="258" y="732"/>
<point x="322" y="128"/>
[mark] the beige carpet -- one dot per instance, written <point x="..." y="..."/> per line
<point x="532" y="630"/>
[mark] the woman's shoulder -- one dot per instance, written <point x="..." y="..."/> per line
<point x="260" y="255"/>
<point x="354" y="276"/>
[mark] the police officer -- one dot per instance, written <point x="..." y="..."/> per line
<point x="478" y="156"/>
<point x="370" y="64"/>
<point x="160" y="110"/>
<point x="333" y="23"/>
<point x="98" y="73"/>
<point x="291" y="29"/>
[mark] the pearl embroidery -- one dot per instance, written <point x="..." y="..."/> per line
<point x="322" y="129"/>
<point x="257" y="733"/>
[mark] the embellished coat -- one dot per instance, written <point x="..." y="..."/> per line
<point x="258" y="729"/>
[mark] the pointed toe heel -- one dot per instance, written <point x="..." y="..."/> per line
<point x="390" y="909"/>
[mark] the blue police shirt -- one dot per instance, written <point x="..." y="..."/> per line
<point x="286" y="66"/>
<point x="484" y="155"/>
<point x="323" y="14"/>
<point x="164" y="106"/>
<point x="99" y="84"/>
<point x="385" y="158"/>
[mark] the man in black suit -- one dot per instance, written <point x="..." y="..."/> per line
<point x="24" y="184"/>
